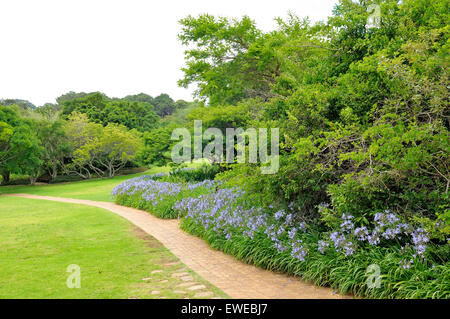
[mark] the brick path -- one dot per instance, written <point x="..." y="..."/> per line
<point x="235" y="278"/>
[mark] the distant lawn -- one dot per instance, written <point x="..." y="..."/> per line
<point x="93" y="189"/>
<point x="39" y="239"/>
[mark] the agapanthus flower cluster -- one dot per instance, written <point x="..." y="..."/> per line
<point x="387" y="227"/>
<point x="226" y="212"/>
<point x="153" y="190"/>
<point x="323" y="245"/>
<point x="133" y="185"/>
<point x="420" y="239"/>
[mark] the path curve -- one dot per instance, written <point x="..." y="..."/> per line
<point x="237" y="279"/>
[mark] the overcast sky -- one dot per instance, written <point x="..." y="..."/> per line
<point x="119" y="47"/>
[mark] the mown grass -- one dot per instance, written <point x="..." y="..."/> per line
<point x="93" y="189"/>
<point x="40" y="239"/>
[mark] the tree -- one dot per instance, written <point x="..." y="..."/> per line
<point x="81" y="133"/>
<point x="229" y="60"/>
<point x="133" y="115"/>
<point x="19" y="147"/>
<point x="91" y="104"/>
<point x="97" y="149"/>
<point x="362" y="111"/>
<point x="49" y="111"/>
<point x="100" y="109"/>
<point x="181" y="104"/>
<point x="56" y="147"/>
<point x="141" y="97"/>
<point x="70" y="96"/>
<point x="116" y="147"/>
<point x="157" y="146"/>
<point x="164" y="105"/>
<point x="22" y="104"/>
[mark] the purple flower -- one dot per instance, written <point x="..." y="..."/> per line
<point x="391" y="233"/>
<point x="361" y="233"/>
<point x="299" y="250"/>
<point x="349" y="248"/>
<point x="406" y="264"/>
<point x="374" y="238"/>
<point x="338" y="239"/>
<point x="323" y="245"/>
<point x="292" y="233"/>
<point x="279" y="214"/>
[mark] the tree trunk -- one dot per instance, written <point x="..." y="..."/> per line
<point x="33" y="179"/>
<point x="53" y="172"/>
<point x="6" y="177"/>
<point x="111" y="170"/>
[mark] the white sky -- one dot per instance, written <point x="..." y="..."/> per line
<point x="118" y="47"/>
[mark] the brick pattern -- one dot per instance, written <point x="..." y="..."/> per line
<point x="235" y="278"/>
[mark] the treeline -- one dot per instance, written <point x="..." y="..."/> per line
<point x="83" y="134"/>
<point x="363" y="110"/>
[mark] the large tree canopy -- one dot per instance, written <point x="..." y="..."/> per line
<point x="164" y="105"/>
<point x="97" y="149"/>
<point x="101" y="109"/>
<point x="229" y="60"/>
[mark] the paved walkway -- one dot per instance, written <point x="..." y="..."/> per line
<point x="235" y="278"/>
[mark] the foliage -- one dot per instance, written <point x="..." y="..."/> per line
<point x="164" y="105"/>
<point x="204" y="172"/>
<point x="228" y="60"/>
<point x="19" y="148"/>
<point x="362" y="111"/>
<point x="364" y="122"/>
<point x="148" y="193"/>
<point x="98" y="149"/>
<point x="90" y="149"/>
<point x="21" y="104"/>
<point x="100" y="109"/>
<point x="157" y="146"/>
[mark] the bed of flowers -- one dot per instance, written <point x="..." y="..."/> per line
<point x="156" y="195"/>
<point x="386" y="257"/>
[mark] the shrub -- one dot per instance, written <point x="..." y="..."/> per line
<point x="204" y="172"/>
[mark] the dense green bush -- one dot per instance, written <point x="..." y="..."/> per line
<point x="204" y="172"/>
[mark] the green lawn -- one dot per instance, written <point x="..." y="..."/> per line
<point x="40" y="239"/>
<point x="94" y="189"/>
